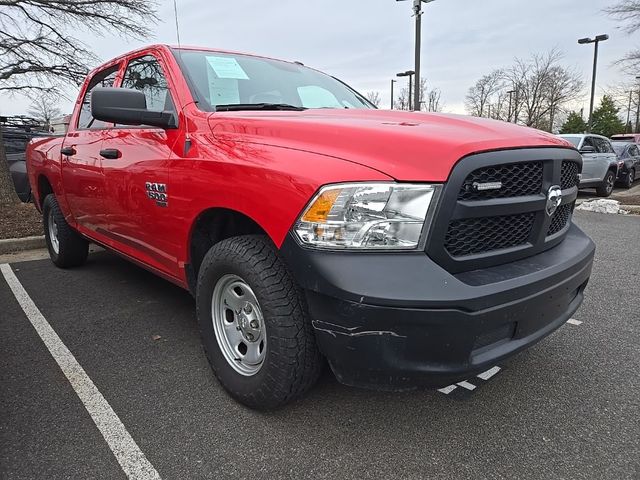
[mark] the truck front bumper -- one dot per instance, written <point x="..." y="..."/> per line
<point x="400" y="321"/>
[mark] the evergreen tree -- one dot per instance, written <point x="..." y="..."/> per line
<point x="605" y="118"/>
<point x="574" y="124"/>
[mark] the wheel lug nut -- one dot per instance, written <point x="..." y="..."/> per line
<point x="250" y="336"/>
<point x="248" y="309"/>
<point x="254" y="324"/>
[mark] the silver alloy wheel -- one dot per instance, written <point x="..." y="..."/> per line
<point x="610" y="181"/>
<point x="53" y="232"/>
<point x="239" y="325"/>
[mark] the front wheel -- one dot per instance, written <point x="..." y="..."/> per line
<point x="66" y="247"/>
<point x="254" y="324"/>
<point x="606" y="187"/>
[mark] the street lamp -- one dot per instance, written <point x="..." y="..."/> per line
<point x="417" y="11"/>
<point x="392" y="82"/>
<point x="596" y="41"/>
<point x="638" y="109"/>
<point x="410" y="74"/>
<point x="627" y="125"/>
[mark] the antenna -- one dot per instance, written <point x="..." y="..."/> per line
<point x="175" y="13"/>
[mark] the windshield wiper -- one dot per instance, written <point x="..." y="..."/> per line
<point x="257" y="106"/>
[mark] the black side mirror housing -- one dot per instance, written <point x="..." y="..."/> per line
<point x="588" y="149"/>
<point x="127" y="106"/>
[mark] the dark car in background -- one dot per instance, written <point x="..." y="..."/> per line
<point x="629" y="155"/>
<point x="17" y="132"/>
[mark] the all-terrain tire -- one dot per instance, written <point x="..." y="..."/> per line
<point x="292" y="362"/>
<point x="67" y="248"/>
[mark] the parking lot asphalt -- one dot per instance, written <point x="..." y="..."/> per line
<point x="566" y="408"/>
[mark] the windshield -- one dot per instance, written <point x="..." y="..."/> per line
<point x="572" y="139"/>
<point x="219" y="79"/>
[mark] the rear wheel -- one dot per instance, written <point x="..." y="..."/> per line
<point x="66" y="247"/>
<point x="606" y="187"/>
<point x="254" y="324"/>
<point x="630" y="178"/>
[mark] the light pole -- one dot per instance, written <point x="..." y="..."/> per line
<point x="626" y="125"/>
<point x="638" y="109"/>
<point x="596" y="41"/>
<point x="410" y="74"/>
<point x="417" y="11"/>
<point x="392" y="82"/>
<point x="510" y="92"/>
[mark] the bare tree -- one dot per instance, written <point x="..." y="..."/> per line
<point x="7" y="191"/>
<point x="434" y="103"/>
<point x="44" y="109"/>
<point x="627" y="12"/>
<point x="543" y="88"/>
<point x="479" y="96"/>
<point x="374" y="97"/>
<point x="402" y="102"/>
<point x="38" y="49"/>
<point x="430" y="99"/>
<point x="626" y="97"/>
<point x="540" y="87"/>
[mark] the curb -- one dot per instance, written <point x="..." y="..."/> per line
<point x="10" y="245"/>
<point x="632" y="209"/>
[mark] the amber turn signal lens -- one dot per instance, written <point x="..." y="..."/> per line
<point x="319" y="210"/>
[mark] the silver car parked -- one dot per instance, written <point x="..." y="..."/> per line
<point x="599" y="162"/>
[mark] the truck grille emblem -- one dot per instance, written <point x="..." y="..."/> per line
<point x="554" y="199"/>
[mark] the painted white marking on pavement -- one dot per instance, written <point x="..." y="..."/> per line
<point x="124" y="448"/>
<point x="467" y="385"/>
<point x="447" y="390"/>
<point x="489" y="373"/>
<point x="573" y="321"/>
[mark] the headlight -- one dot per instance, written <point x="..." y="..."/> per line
<point x="366" y="216"/>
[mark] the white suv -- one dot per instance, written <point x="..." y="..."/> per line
<point x="599" y="162"/>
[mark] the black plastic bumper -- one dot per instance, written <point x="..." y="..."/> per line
<point x="399" y="321"/>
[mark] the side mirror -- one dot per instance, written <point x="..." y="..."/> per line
<point x="588" y="149"/>
<point x="127" y="107"/>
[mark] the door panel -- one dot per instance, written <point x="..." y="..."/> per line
<point x="133" y="215"/>
<point x="590" y="167"/>
<point x="82" y="175"/>
<point x="138" y="198"/>
<point x="83" y="179"/>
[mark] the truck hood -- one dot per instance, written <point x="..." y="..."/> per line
<point x="407" y="146"/>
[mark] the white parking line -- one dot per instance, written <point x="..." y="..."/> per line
<point x="124" y="448"/>
<point x="573" y="321"/>
<point x="489" y="373"/>
<point x="448" y="390"/>
<point x="467" y="385"/>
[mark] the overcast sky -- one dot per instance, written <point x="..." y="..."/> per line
<point x="366" y="42"/>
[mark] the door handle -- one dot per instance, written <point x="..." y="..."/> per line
<point x="68" y="151"/>
<point x="112" y="153"/>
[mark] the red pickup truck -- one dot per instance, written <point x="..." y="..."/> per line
<point x="408" y="249"/>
